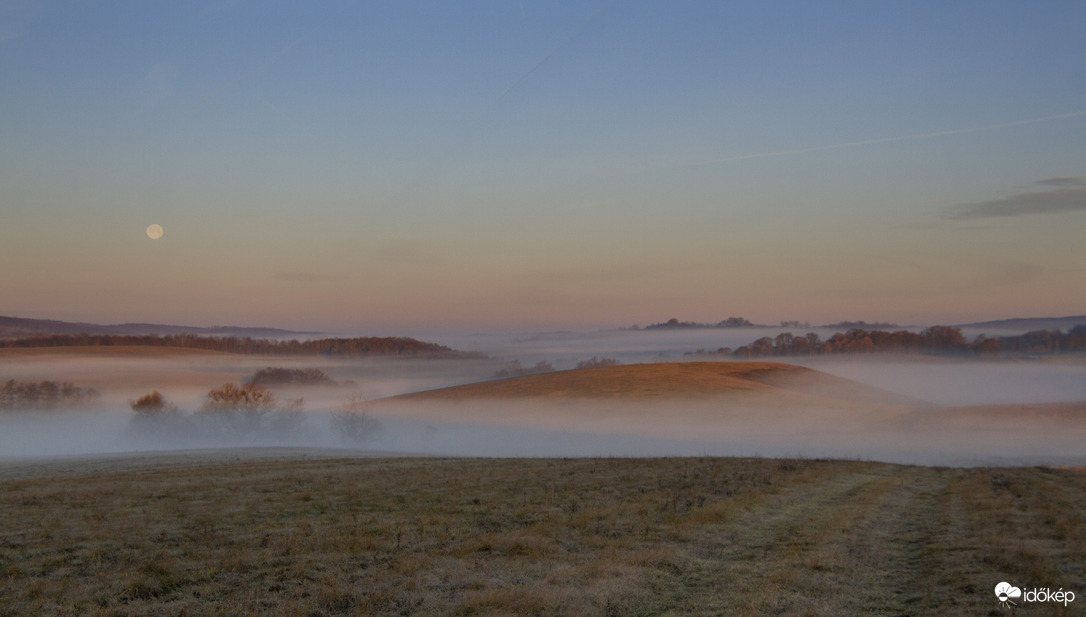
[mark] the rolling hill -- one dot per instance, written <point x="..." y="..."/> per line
<point x="676" y="380"/>
<point x="21" y="327"/>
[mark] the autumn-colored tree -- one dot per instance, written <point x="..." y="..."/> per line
<point x="783" y="344"/>
<point x="986" y="346"/>
<point x="800" y="346"/>
<point x="247" y="409"/>
<point x="153" y="405"/>
<point x="937" y="340"/>
<point x="944" y="339"/>
<point x="250" y="398"/>
<point x="762" y="348"/>
<point x="152" y="413"/>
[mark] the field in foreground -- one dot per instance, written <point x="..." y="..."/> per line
<point x="398" y="536"/>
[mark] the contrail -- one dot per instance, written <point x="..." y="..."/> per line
<point x="881" y="140"/>
<point x="554" y="51"/>
<point x="474" y="127"/>
<point x="267" y="62"/>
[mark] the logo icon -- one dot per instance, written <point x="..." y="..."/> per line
<point x="1005" y="592"/>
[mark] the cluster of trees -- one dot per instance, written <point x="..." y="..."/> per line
<point x="1045" y="341"/>
<point x="40" y="395"/>
<point x="675" y="324"/>
<point x="272" y="376"/>
<point x="229" y="411"/>
<point x="245" y="412"/>
<point x="515" y="369"/>
<point x="340" y="347"/>
<point x="937" y="340"/>
<point x="594" y="362"/>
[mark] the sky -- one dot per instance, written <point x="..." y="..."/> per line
<point x="397" y="167"/>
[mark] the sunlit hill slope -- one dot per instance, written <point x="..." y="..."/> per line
<point x="679" y="380"/>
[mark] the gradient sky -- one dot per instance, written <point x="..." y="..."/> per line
<point x="448" y="166"/>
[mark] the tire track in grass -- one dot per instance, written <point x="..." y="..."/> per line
<point x="987" y="526"/>
<point x="867" y="558"/>
<point x="1028" y="529"/>
<point x="1065" y="494"/>
<point x="967" y="529"/>
<point x="912" y="530"/>
<point x="846" y="544"/>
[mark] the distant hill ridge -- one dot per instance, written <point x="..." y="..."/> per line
<point x="1031" y="323"/>
<point x="20" y="333"/>
<point x="675" y="324"/>
<point x="359" y="347"/>
<point x="21" y="327"/>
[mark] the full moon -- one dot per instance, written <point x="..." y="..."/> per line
<point x="154" y="232"/>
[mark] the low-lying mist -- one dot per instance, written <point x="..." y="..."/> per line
<point x="576" y="429"/>
<point x="951" y="382"/>
<point x="939" y="380"/>
<point x="925" y="434"/>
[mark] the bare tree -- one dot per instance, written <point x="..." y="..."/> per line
<point x="353" y="422"/>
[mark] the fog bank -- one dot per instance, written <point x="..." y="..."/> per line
<point x="573" y="428"/>
<point x="590" y="428"/>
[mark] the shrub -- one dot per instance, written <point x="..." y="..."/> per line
<point x="353" y="422"/>
<point x="153" y="412"/>
<point x="153" y="404"/>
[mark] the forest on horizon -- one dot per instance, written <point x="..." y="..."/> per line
<point x="358" y="347"/>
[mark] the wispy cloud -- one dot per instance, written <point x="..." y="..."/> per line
<point x="882" y="140"/>
<point x="576" y="33"/>
<point x="1062" y="181"/>
<point x="271" y="59"/>
<point x="1049" y="196"/>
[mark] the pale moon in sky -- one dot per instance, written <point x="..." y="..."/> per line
<point x="154" y="232"/>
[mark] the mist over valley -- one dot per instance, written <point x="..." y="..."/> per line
<point x="657" y="397"/>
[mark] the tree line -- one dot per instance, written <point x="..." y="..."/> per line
<point x="39" y="395"/>
<point x="937" y="340"/>
<point x="339" y="347"/>
<point x="675" y="324"/>
<point x="246" y="412"/>
<point x="274" y="376"/>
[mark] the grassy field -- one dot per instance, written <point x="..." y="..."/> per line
<point x="399" y="536"/>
